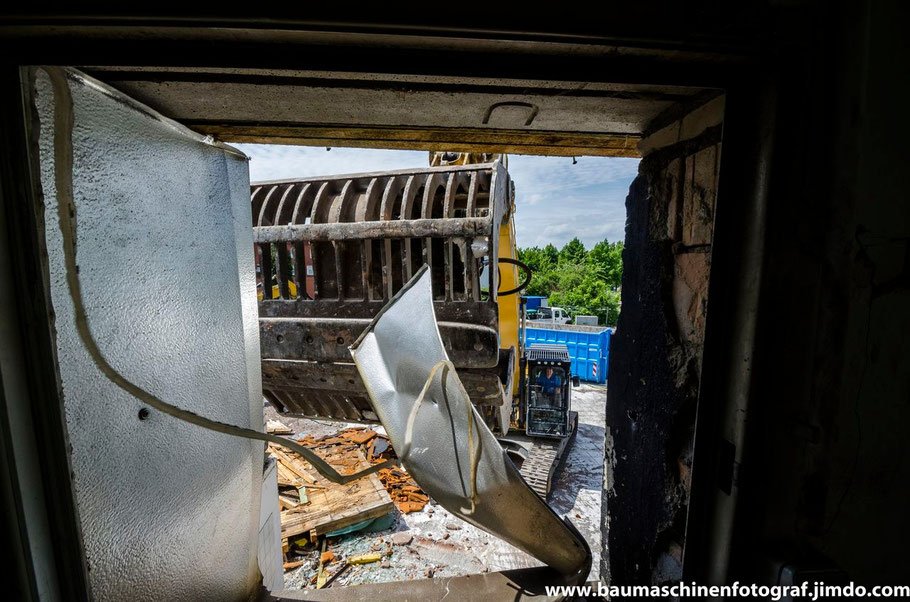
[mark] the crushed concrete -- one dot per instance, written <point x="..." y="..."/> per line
<point x="433" y="541"/>
<point x="402" y="538"/>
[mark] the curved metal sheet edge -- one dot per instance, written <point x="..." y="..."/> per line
<point x="442" y="440"/>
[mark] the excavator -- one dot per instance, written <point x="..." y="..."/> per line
<point x="326" y="285"/>
<point x="334" y="254"/>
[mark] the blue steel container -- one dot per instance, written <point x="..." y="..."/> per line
<point x="589" y="350"/>
<point x="533" y="302"/>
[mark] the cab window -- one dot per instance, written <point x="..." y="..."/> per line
<point x="548" y="386"/>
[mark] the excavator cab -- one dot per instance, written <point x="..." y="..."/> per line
<point x="549" y="391"/>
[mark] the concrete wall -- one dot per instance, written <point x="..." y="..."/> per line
<point x="271" y="559"/>
<point x="656" y="352"/>
<point x="165" y="259"/>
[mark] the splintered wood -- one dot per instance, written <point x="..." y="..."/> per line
<point x="404" y="491"/>
<point x="313" y="505"/>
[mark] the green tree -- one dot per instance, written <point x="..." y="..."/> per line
<point x="541" y="264"/>
<point x="552" y="253"/>
<point x="581" y="281"/>
<point x="606" y="259"/>
<point x="536" y="258"/>
<point x="573" y="252"/>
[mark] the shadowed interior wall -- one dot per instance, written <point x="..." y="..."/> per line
<point x="656" y="352"/>
<point x="164" y="255"/>
<point x="826" y="475"/>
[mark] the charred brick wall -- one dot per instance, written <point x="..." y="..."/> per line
<point x="656" y="352"/>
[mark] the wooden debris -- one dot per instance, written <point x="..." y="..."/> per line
<point x="403" y="490"/>
<point x="407" y="507"/>
<point x="292" y="565"/>
<point x="320" y="572"/>
<point x="276" y="427"/>
<point x="326" y="506"/>
<point x="312" y="505"/>
<point x="287" y="502"/>
<point x="358" y="437"/>
<point x="294" y="464"/>
<point x="286" y="477"/>
<point x="337" y="574"/>
<point x="405" y="493"/>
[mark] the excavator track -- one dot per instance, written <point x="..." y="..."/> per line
<point x="544" y="457"/>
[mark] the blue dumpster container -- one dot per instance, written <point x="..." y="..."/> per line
<point x="533" y="302"/>
<point x="589" y="350"/>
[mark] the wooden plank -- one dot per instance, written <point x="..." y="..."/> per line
<point x="294" y="464"/>
<point x="360" y="436"/>
<point x="288" y="502"/>
<point x="456" y="139"/>
<point x="276" y="427"/>
<point x="333" y="506"/>
<point x="285" y="476"/>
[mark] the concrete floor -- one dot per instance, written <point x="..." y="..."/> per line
<point x="442" y="545"/>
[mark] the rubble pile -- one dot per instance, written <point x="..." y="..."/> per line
<point x="303" y="493"/>
<point x="404" y="491"/>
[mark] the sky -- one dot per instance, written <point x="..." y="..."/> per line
<point x="555" y="200"/>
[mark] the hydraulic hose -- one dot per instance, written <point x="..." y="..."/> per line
<point x="528" y="274"/>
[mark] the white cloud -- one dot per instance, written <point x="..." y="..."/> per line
<point x="275" y="162"/>
<point x="539" y="179"/>
<point x="556" y="199"/>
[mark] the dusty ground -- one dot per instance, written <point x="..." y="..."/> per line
<point x="442" y="545"/>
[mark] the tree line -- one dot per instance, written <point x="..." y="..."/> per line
<point x="581" y="281"/>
